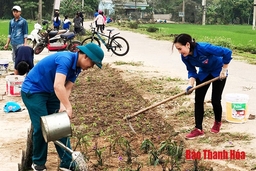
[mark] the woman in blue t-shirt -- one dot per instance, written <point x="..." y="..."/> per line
<point x="204" y="62"/>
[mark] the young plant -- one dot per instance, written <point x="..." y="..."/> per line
<point x="124" y="144"/>
<point x="98" y="153"/>
<point x="154" y="157"/>
<point x="146" y="146"/>
<point x="173" y="150"/>
<point x="130" y="169"/>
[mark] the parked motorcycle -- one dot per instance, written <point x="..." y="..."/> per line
<point x="34" y="37"/>
<point x="37" y="33"/>
<point x="53" y="40"/>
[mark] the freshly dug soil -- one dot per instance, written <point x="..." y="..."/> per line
<point x="101" y="98"/>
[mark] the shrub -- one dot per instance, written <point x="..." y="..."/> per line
<point x="219" y="41"/>
<point x="3" y="39"/>
<point x="152" y="29"/>
<point x="247" y="48"/>
<point x="133" y="25"/>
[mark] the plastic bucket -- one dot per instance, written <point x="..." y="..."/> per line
<point x="236" y="107"/>
<point x="3" y="66"/>
<point x="13" y="84"/>
<point x="55" y="126"/>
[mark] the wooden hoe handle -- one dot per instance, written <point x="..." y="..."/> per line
<point x="170" y="98"/>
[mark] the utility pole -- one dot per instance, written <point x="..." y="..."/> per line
<point x="254" y="14"/>
<point x="56" y="7"/>
<point x="136" y="10"/>
<point x="40" y="12"/>
<point x="82" y="4"/>
<point x="204" y="11"/>
<point x="183" y="10"/>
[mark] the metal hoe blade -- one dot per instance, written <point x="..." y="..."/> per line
<point x="130" y="125"/>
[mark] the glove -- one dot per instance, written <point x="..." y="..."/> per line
<point x="223" y="73"/>
<point x="191" y="83"/>
<point x="188" y="91"/>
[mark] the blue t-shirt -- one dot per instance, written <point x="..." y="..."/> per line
<point x="208" y="58"/>
<point x="56" y="23"/>
<point x="66" y="24"/>
<point x="96" y="14"/>
<point x="18" y="30"/>
<point x="41" y="78"/>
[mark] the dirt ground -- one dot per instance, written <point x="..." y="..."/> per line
<point x="109" y="96"/>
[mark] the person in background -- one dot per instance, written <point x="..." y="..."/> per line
<point x="212" y="61"/>
<point x="95" y="15"/>
<point x="56" y="21"/>
<point x="18" y="31"/>
<point x="24" y="60"/>
<point x="46" y="90"/>
<point x="66" y="23"/>
<point x="109" y="20"/>
<point x="82" y="17"/>
<point x="105" y="21"/>
<point x="99" y="21"/>
<point x="77" y="23"/>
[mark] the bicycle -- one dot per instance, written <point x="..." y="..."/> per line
<point x="118" y="45"/>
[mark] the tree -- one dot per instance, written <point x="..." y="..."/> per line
<point x="71" y="7"/>
<point x="29" y="8"/>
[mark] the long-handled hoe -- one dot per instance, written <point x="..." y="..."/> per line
<point x="164" y="101"/>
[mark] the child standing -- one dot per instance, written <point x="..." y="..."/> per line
<point x="66" y="23"/>
<point x="99" y="21"/>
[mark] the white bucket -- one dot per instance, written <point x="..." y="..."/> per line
<point x="55" y="126"/>
<point x="236" y="107"/>
<point x="13" y="84"/>
<point x="3" y="66"/>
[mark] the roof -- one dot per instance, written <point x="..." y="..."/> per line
<point x="131" y="5"/>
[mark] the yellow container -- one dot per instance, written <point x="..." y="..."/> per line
<point x="236" y="107"/>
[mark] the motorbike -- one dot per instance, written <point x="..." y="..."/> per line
<point x="36" y="34"/>
<point x="34" y="37"/>
<point x="53" y="40"/>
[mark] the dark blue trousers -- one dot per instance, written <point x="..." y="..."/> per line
<point x="42" y="104"/>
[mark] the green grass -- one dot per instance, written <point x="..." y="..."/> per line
<point x="4" y="28"/>
<point x="238" y="34"/>
<point x="240" y="38"/>
<point x="4" y="24"/>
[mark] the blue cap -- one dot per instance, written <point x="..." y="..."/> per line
<point x="94" y="52"/>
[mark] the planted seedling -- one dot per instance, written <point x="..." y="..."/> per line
<point x="146" y="146"/>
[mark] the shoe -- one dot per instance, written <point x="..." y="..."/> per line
<point x="70" y="167"/>
<point x="195" y="133"/>
<point x="64" y="169"/>
<point x="36" y="167"/>
<point x="216" y="127"/>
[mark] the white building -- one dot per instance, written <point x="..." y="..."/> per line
<point x="106" y="6"/>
